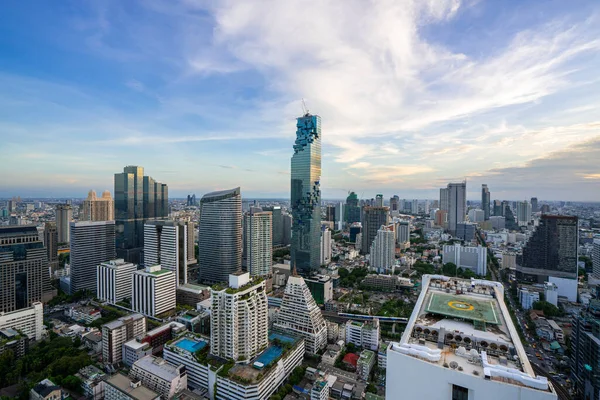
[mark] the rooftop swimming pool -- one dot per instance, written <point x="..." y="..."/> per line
<point x="269" y="355"/>
<point x="190" y="345"/>
<point x="283" y="338"/>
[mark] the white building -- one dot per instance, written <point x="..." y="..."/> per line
<point x="239" y="319"/>
<point x="160" y="376"/>
<point x="120" y="387"/>
<point x="258" y="242"/>
<point x="498" y="222"/>
<point x="523" y="212"/>
<point x="363" y="334"/>
<point x="113" y="280"/>
<point x="471" y="257"/>
<point x="153" y="291"/>
<point x="325" y="245"/>
<point x="462" y="354"/>
<point x="319" y="390"/>
<point x="166" y="243"/>
<point x="476" y="215"/>
<point x="382" y="254"/>
<point x="119" y="331"/>
<point x="527" y="298"/>
<point x="28" y="320"/>
<point x="134" y="350"/>
<point x="300" y="315"/>
<point x="365" y="364"/>
<point x="551" y="293"/>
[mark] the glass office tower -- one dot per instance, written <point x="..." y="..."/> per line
<point x="306" y="195"/>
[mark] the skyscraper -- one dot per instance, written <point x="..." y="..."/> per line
<point x="523" y="212"/>
<point x="166" y="243"/>
<point x="382" y="255"/>
<point x="300" y="315"/>
<point x="137" y="199"/>
<point x="92" y="243"/>
<point x="64" y="216"/>
<point x="485" y="201"/>
<point x="444" y="199"/>
<point x="551" y="250"/>
<point x="97" y="209"/>
<point x="51" y="244"/>
<point x="277" y="222"/>
<point x="403" y="234"/>
<point x="352" y="211"/>
<point x="306" y="195"/>
<point x="498" y="209"/>
<point x="457" y="204"/>
<point x="394" y="203"/>
<point x="339" y="216"/>
<point x="220" y="235"/>
<point x="373" y="218"/>
<point x="379" y="200"/>
<point x="596" y="258"/>
<point x="258" y="243"/>
<point x="23" y="267"/>
<point x="534" y="205"/>
<point x="585" y="348"/>
<point x="153" y="291"/>
<point x="325" y="245"/>
<point x="239" y="319"/>
<point x="114" y="280"/>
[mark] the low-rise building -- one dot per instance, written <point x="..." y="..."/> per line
<point x="319" y="390"/>
<point x="527" y="298"/>
<point x="365" y="364"/>
<point x="85" y="315"/>
<point x="558" y="332"/>
<point x="45" y="390"/>
<point x="333" y="331"/>
<point x="93" y="340"/>
<point x="332" y="352"/>
<point x="159" y="375"/>
<point x="17" y="342"/>
<point x="92" y="382"/>
<point x="380" y="282"/>
<point x="120" y="387"/>
<point x="196" y="321"/>
<point x="363" y="334"/>
<point x="135" y="350"/>
<point x="382" y="355"/>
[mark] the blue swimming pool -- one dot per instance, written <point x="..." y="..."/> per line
<point x="269" y="355"/>
<point x="283" y="338"/>
<point x="190" y="345"/>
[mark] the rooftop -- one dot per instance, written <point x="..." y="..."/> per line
<point x="121" y="321"/>
<point x="137" y="392"/>
<point x="158" y="367"/>
<point x="464" y="325"/>
<point x="366" y="356"/>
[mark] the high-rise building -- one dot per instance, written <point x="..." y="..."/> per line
<point x="450" y="351"/>
<point x="97" y="209"/>
<point x="258" y="242"/>
<point x="403" y="234"/>
<point x="394" y="203"/>
<point x="92" y="243"/>
<point x="23" y="267"/>
<point x="64" y="216"/>
<point x="498" y="222"/>
<point x="498" y="209"/>
<point x="220" y="235"/>
<point x="457" y="204"/>
<point x="444" y="199"/>
<point x="114" y="280"/>
<point x="153" y="291"/>
<point x="534" y="205"/>
<point x="373" y="218"/>
<point x="471" y="257"/>
<point x="476" y="215"/>
<point x="551" y="250"/>
<point x="118" y="332"/>
<point x="585" y="350"/>
<point x="523" y="212"/>
<point x="138" y="198"/>
<point x="325" y="245"/>
<point x="596" y="258"/>
<point x="191" y="200"/>
<point x="465" y="231"/>
<point x="383" y="249"/>
<point x="51" y="244"/>
<point x="379" y="200"/>
<point x="277" y="223"/>
<point x="330" y="213"/>
<point x="339" y="216"/>
<point x="306" y="195"/>
<point x="485" y="201"/>
<point x="287" y="229"/>
<point x="352" y="211"/>
<point x="300" y="315"/>
<point x="239" y="319"/>
<point x="166" y="243"/>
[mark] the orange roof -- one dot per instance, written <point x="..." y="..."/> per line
<point x="351" y="359"/>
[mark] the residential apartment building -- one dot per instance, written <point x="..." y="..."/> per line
<point x="153" y="291"/>
<point x="166" y="243"/>
<point x="258" y="242"/>
<point x="471" y="257"/>
<point x="160" y="376"/>
<point x="119" y="331"/>
<point x="363" y="334"/>
<point x="383" y="249"/>
<point x="96" y="208"/>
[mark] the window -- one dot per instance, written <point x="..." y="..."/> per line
<point x="460" y="393"/>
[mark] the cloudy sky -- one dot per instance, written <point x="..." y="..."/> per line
<point x="203" y="94"/>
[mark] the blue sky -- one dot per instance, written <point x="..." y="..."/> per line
<point x="412" y="94"/>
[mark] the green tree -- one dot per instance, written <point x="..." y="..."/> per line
<point x="371" y="388"/>
<point x="550" y="310"/>
<point x="449" y="269"/>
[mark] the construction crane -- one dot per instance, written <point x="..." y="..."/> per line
<point x="304" y="109"/>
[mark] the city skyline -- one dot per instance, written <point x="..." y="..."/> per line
<point x="205" y="96"/>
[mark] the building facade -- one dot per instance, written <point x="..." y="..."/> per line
<point x="300" y="315"/>
<point x="114" y="280"/>
<point x="166" y="243"/>
<point x="96" y="208"/>
<point x="372" y="219"/>
<point x="51" y="244"/>
<point x="92" y="243"/>
<point x="118" y="332"/>
<point x="220" y="235"/>
<point x="29" y="320"/>
<point x="239" y="319"/>
<point x="64" y="216"/>
<point x="485" y="201"/>
<point x="153" y="291"/>
<point x="23" y="267"/>
<point x="457" y="204"/>
<point x="383" y="249"/>
<point x="471" y="257"/>
<point x="325" y="245"/>
<point x="363" y="334"/>
<point x="258" y="242"/>
<point x="352" y="209"/>
<point x="159" y="376"/>
<point x="523" y="212"/>
<point x="306" y="195"/>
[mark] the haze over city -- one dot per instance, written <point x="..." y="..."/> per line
<point x="412" y="95"/>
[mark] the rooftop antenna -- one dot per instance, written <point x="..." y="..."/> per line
<point x="304" y="109"/>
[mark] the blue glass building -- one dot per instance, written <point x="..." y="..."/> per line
<point x="306" y="195"/>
